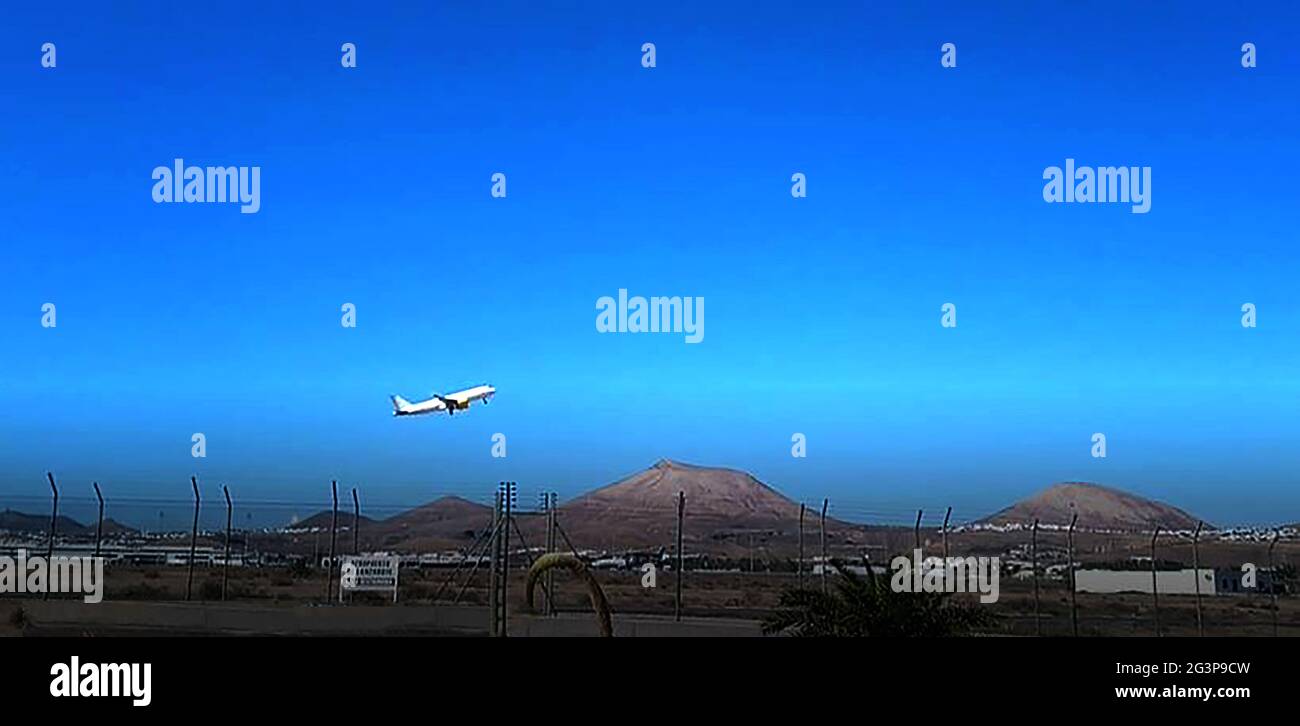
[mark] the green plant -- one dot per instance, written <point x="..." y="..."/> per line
<point x="859" y="607"/>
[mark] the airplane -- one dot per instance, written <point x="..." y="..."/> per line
<point x="451" y="403"/>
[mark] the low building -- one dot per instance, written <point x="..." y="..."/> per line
<point x="1235" y="581"/>
<point x="1170" y="582"/>
<point x="859" y="570"/>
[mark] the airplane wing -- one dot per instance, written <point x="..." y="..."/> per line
<point x="449" y="403"/>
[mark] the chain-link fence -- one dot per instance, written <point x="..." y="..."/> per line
<point x="735" y="564"/>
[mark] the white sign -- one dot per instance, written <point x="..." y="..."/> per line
<point x="369" y="574"/>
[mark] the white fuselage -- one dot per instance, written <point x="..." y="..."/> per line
<point x="450" y="403"/>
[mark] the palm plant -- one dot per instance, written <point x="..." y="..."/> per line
<point x="859" y="607"/>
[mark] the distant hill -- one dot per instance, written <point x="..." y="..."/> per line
<point x="323" y="519"/>
<point x="1098" y="507"/>
<point x="728" y="511"/>
<point x="439" y="514"/>
<point x="445" y="523"/>
<point x="14" y="521"/>
<point x="446" y="520"/>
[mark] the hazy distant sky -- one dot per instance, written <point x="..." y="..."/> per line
<point x="822" y="314"/>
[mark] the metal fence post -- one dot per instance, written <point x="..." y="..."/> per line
<point x="225" y="565"/>
<point x="681" y="560"/>
<point x="800" y="567"/>
<point x="334" y="529"/>
<point x="1196" y="568"/>
<point x="1273" y="580"/>
<point x="99" y="523"/>
<point x="947" y="515"/>
<point x="194" y="538"/>
<point x="1033" y="559"/>
<point x="825" y="565"/>
<point x="356" y="523"/>
<point x="54" y="518"/>
<point x="1074" y="605"/>
<point x="1155" y="587"/>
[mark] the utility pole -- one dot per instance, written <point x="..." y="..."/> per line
<point x="194" y="539"/>
<point x="1033" y="559"/>
<point x="544" y="505"/>
<point x="548" y="506"/>
<point x="800" y="567"/>
<point x="825" y="503"/>
<point x="917" y="530"/>
<point x="1074" y="609"/>
<point x="681" y="561"/>
<point x="555" y="545"/>
<point x="505" y="559"/>
<point x="493" y="564"/>
<point x="1155" y="585"/>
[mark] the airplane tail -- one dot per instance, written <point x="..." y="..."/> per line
<point x="400" y="404"/>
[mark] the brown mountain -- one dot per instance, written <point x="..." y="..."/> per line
<point x="727" y="512"/>
<point x="444" y="515"/>
<point x="446" y="523"/>
<point x="725" y="509"/>
<point x="440" y="516"/>
<point x="15" y="521"/>
<point x="1098" y="507"/>
<point x="710" y="492"/>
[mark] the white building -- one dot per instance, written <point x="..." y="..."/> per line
<point x="1170" y="582"/>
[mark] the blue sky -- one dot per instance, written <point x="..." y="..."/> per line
<point x="822" y="314"/>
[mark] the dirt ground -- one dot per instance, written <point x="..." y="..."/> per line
<point x="736" y="595"/>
